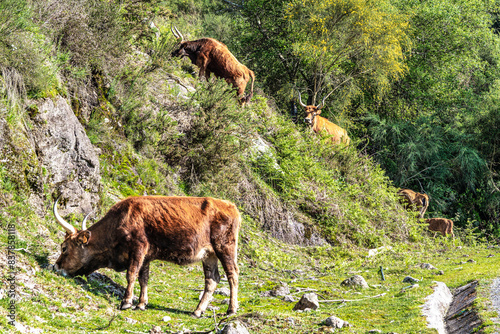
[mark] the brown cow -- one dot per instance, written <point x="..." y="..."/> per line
<point x="138" y="230"/>
<point x="212" y="56"/>
<point x="414" y="200"/>
<point x="443" y="225"/>
<point x="319" y="123"/>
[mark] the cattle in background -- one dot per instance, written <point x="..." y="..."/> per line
<point x="212" y="56"/>
<point x="413" y="200"/>
<point x="443" y="225"/>
<point x="319" y="123"/>
<point x="137" y="230"/>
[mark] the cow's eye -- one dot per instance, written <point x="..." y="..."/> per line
<point x="64" y="248"/>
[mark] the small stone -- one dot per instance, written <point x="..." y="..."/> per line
<point x="472" y="261"/>
<point x="290" y="321"/>
<point x="235" y="327"/>
<point x="289" y="299"/>
<point x="440" y="272"/>
<point x="280" y="291"/>
<point x="427" y="266"/>
<point x="491" y="255"/>
<point x="37" y="318"/>
<point x="130" y="321"/>
<point x="166" y="318"/>
<point x="335" y="322"/>
<point x="308" y="301"/>
<point x="375" y="331"/>
<point x="409" y="279"/>
<point x="355" y="281"/>
<point x="155" y="330"/>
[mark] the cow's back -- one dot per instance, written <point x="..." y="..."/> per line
<point x="223" y="63"/>
<point x="179" y="229"/>
<point x="338" y="134"/>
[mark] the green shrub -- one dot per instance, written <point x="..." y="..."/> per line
<point x="219" y="133"/>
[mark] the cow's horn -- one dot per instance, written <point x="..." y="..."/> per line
<point x="176" y="33"/>
<point x="322" y="104"/>
<point x="68" y="227"/>
<point x="300" y="100"/>
<point x="84" y="222"/>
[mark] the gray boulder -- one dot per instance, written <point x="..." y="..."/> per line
<point x="66" y="153"/>
<point x="308" y="301"/>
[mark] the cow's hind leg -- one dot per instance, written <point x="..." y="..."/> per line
<point x="212" y="277"/>
<point x="228" y="259"/>
<point x="143" y="282"/>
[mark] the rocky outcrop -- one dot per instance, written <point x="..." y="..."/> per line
<point x="68" y="158"/>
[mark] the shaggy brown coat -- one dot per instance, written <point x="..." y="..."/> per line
<point x="212" y="56"/>
<point x="413" y="200"/>
<point x="443" y="225"/>
<point x="319" y="123"/>
<point x="138" y="230"/>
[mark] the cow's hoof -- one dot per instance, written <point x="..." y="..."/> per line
<point x="125" y="306"/>
<point x="140" y="307"/>
<point x="196" y="314"/>
<point x="230" y="312"/>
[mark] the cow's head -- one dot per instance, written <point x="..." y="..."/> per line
<point x="75" y="255"/>
<point x="311" y="111"/>
<point x="183" y="50"/>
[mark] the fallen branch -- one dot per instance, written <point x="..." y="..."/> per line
<point x="303" y="290"/>
<point x="178" y="80"/>
<point x="349" y="300"/>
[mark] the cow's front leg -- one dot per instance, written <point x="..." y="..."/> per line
<point x="212" y="277"/>
<point x="143" y="282"/>
<point x="132" y="272"/>
<point x="202" y="63"/>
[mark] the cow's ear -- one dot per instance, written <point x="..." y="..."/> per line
<point x="84" y="237"/>
<point x="318" y="111"/>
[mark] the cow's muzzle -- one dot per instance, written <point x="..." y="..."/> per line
<point x="307" y="120"/>
<point x="60" y="271"/>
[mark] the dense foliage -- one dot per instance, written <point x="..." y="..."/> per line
<point x="415" y="83"/>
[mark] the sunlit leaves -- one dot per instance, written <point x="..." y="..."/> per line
<point x="351" y="38"/>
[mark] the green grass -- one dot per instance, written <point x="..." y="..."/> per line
<point x="67" y="305"/>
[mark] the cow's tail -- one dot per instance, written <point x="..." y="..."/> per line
<point x="250" y="95"/>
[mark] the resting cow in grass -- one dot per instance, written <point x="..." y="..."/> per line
<point x="319" y="123"/>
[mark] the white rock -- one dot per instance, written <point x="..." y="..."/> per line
<point x="435" y="307"/>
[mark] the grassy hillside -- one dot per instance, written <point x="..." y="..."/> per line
<point x="311" y="210"/>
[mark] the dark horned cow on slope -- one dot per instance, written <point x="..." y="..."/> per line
<point x="138" y="230"/>
<point x="212" y="56"/>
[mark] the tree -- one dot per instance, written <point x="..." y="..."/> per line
<point x="325" y="45"/>
<point x="347" y="43"/>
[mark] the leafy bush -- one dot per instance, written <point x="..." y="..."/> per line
<point x="217" y="135"/>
